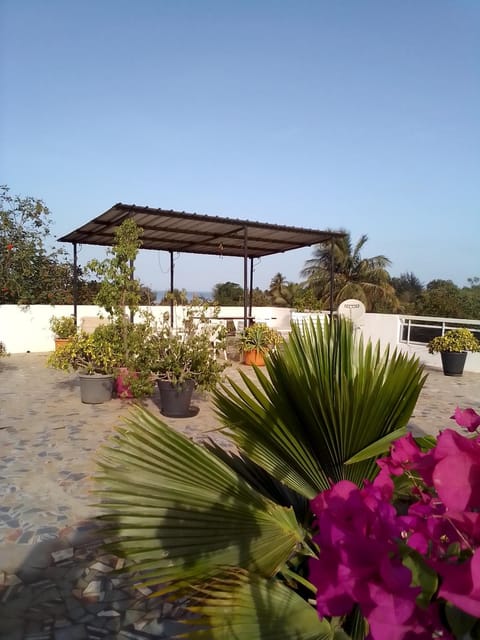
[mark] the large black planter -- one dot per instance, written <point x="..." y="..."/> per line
<point x="453" y="362"/>
<point x="96" y="388"/>
<point x="175" y="399"/>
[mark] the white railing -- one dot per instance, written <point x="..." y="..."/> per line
<point x="421" y="329"/>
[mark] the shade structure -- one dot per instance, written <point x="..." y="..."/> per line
<point x="179" y="231"/>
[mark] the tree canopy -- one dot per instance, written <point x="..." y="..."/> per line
<point x="366" y="279"/>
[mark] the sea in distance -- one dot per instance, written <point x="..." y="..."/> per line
<point x="206" y="295"/>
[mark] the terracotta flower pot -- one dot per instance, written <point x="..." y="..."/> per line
<point x="254" y="357"/>
<point x="61" y="342"/>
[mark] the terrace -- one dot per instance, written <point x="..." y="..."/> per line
<point x="54" y="580"/>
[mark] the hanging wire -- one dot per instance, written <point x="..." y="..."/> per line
<point x="176" y="256"/>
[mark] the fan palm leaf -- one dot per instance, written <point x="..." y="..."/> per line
<point x="181" y="514"/>
<point x="327" y="397"/>
<point x="244" y="606"/>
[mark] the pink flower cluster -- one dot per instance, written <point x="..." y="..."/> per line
<point x="401" y="566"/>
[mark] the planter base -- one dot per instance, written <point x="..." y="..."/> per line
<point x="175" y="400"/>
<point x="453" y="362"/>
<point x="96" y="389"/>
<point x="61" y="342"/>
<point x="254" y="357"/>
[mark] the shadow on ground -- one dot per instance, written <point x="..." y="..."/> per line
<point x="70" y="588"/>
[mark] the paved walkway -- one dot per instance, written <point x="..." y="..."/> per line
<point x="55" y="583"/>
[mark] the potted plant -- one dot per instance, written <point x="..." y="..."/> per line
<point x="137" y="351"/>
<point x="94" y="357"/>
<point x="453" y="347"/>
<point x="120" y="295"/>
<point x="257" y="340"/>
<point x="185" y="361"/>
<point x="63" y="328"/>
<point x="3" y="350"/>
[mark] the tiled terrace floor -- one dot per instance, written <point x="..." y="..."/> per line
<point x="54" y="581"/>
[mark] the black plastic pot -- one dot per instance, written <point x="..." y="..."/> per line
<point x="175" y="399"/>
<point x="96" y="388"/>
<point x="453" y="362"/>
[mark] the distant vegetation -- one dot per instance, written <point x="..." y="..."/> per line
<point x="31" y="272"/>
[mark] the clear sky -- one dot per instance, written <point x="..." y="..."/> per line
<point x="324" y="114"/>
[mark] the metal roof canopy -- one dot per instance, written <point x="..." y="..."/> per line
<point x="178" y="231"/>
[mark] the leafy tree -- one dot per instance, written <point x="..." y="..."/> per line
<point x="228" y="294"/>
<point x="179" y="296"/>
<point x="444" y="298"/>
<point x="472" y="298"/>
<point x="407" y="288"/>
<point x="440" y="298"/>
<point x="29" y="271"/>
<point x="354" y="277"/>
<point x="260" y="298"/>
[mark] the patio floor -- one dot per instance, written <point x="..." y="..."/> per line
<point x="54" y="581"/>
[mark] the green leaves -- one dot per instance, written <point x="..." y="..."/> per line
<point x="326" y="400"/>
<point x="180" y="514"/>
<point x="244" y="606"/>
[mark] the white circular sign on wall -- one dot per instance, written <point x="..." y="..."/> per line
<point x="352" y="309"/>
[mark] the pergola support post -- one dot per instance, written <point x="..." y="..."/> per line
<point x="245" y="275"/>
<point x="250" y="309"/>
<point x="75" y="281"/>
<point x="172" y="266"/>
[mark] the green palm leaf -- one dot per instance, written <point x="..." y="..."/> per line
<point x="180" y="513"/>
<point x="243" y="606"/>
<point x="327" y="397"/>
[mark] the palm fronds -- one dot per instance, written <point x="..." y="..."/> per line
<point x="244" y="606"/>
<point x="327" y="397"/>
<point x="180" y="513"/>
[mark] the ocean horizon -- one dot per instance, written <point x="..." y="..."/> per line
<point x="207" y="295"/>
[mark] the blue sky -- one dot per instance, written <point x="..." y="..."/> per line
<point x="361" y="115"/>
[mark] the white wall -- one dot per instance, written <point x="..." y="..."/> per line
<point x="24" y="329"/>
<point x="387" y="327"/>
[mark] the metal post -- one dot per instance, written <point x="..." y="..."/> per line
<point x="245" y="275"/>
<point x="171" y="288"/>
<point x="75" y="282"/>
<point x="251" y="289"/>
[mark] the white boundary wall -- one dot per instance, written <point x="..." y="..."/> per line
<point x="26" y="329"/>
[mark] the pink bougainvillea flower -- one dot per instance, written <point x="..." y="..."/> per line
<point x="461" y="584"/>
<point x="404" y="454"/>
<point x="456" y="475"/>
<point x="467" y="418"/>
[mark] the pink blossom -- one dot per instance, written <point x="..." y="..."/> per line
<point x="467" y="418"/>
<point x="461" y="584"/>
<point x="456" y="476"/>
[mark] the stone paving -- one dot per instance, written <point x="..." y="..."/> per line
<point x="55" y="581"/>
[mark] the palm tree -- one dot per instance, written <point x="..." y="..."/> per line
<point x="283" y="292"/>
<point x="232" y="531"/>
<point x="354" y="277"/>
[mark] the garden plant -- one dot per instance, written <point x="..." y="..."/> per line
<point x="303" y="531"/>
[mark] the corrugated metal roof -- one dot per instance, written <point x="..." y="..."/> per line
<point x="168" y="230"/>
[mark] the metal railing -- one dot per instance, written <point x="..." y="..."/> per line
<point x="422" y="329"/>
